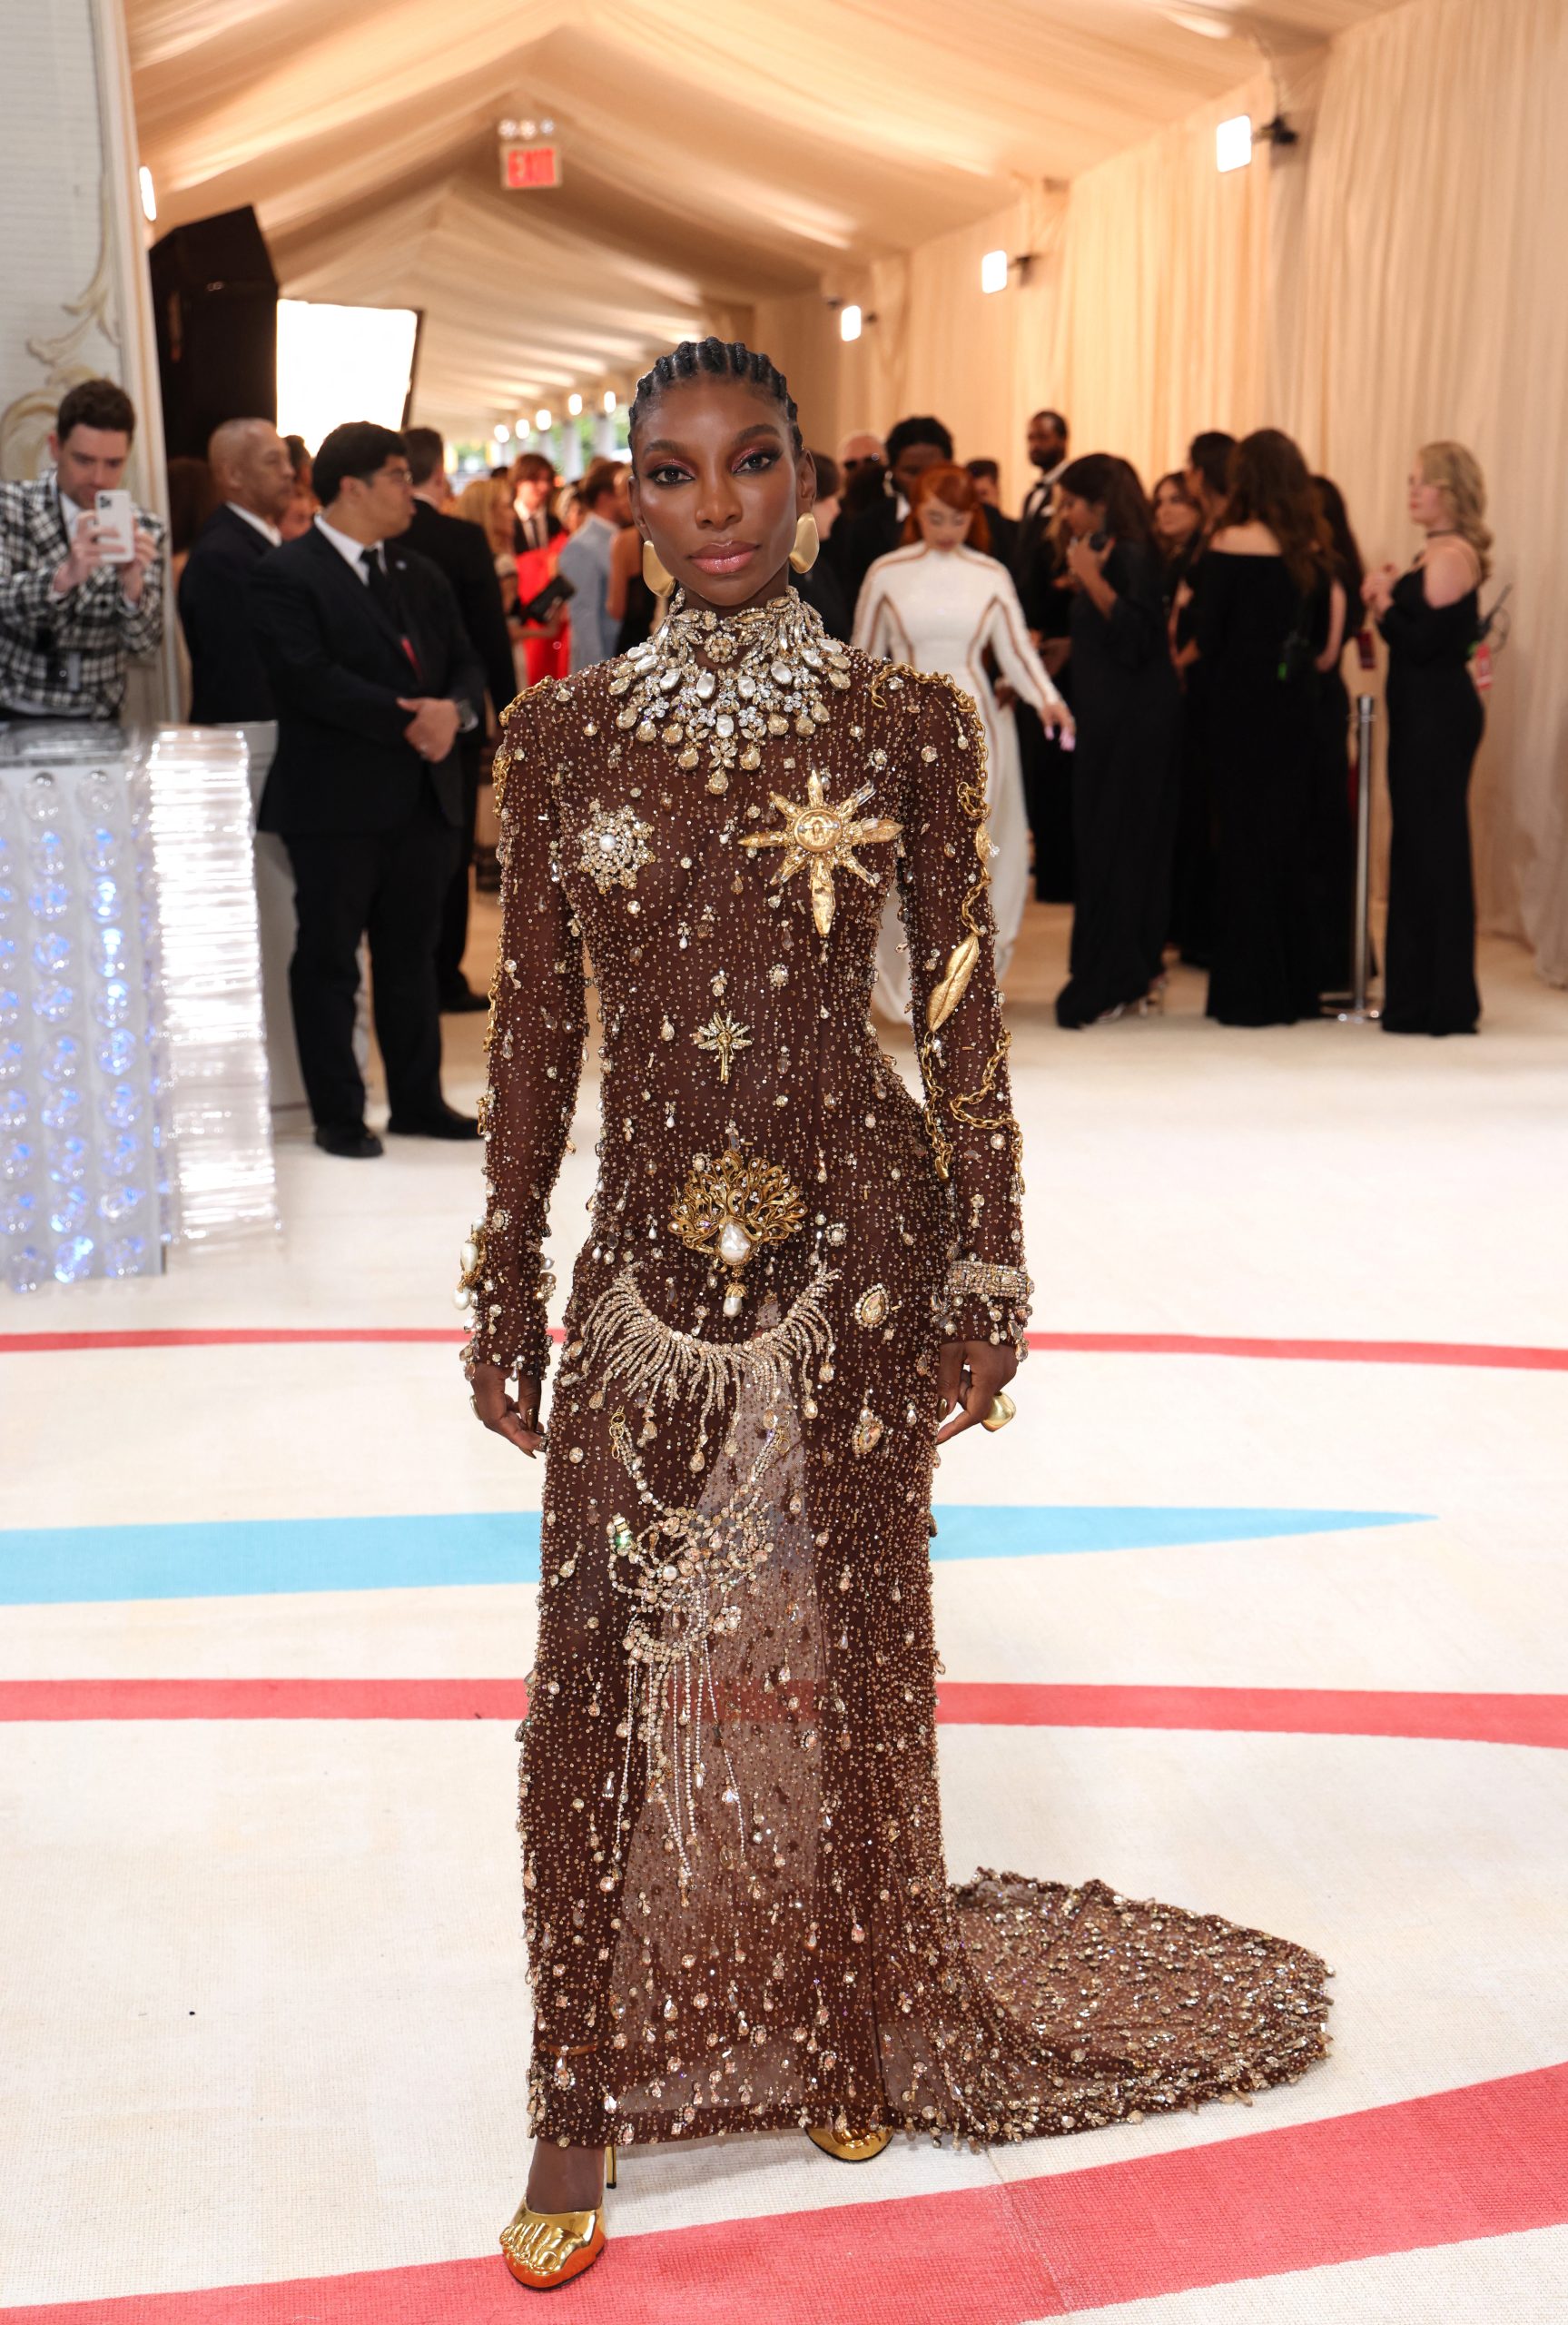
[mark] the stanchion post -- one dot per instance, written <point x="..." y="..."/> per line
<point x="1360" y="1012"/>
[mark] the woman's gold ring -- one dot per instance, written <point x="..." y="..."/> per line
<point x="1003" y="1410"/>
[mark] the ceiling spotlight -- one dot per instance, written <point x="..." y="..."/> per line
<point x="850" y="320"/>
<point x="610" y="399"/>
<point x="506" y="129"/>
<point x="501" y="431"/>
<point x="546" y="128"/>
<point x="993" y="271"/>
<point x="574" y="405"/>
<point x="542" y="420"/>
<point x="528" y="129"/>
<point x="1233" y="143"/>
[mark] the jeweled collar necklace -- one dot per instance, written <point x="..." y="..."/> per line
<point x="780" y="624"/>
<point x="712" y="687"/>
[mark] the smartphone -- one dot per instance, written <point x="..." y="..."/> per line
<point x="116" y="528"/>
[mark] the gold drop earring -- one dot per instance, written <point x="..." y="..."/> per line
<point x="654" y="573"/>
<point x="807" y="544"/>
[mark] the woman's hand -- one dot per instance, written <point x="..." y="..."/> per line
<point x="518" y="1423"/>
<point x="968" y="1376"/>
<point x="1084" y="563"/>
<point x="1379" y="587"/>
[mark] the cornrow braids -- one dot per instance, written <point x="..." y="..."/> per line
<point x="725" y="359"/>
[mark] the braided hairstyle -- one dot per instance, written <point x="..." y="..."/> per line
<point x="725" y="359"/>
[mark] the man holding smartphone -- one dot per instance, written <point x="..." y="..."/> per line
<point x="81" y="569"/>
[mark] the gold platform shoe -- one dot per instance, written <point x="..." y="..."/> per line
<point x="545" y="2250"/>
<point x="855" y="2147"/>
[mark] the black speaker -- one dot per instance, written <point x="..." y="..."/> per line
<point x="215" y="298"/>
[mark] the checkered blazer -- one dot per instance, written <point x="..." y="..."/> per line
<point x="68" y="654"/>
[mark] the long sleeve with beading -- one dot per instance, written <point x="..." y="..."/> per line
<point x="944" y="871"/>
<point x="737" y="1906"/>
<point x="537" y="1024"/>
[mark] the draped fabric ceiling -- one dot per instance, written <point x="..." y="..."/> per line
<point x="1397" y="276"/>
<point x="711" y="156"/>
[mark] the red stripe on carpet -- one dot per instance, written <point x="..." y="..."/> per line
<point x="1475" y="1354"/>
<point x="1285" y="1711"/>
<point x="225" y="1336"/>
<point x="1481" y="2162"/>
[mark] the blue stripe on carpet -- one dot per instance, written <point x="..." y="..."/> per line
<point x="52" y="1566"/>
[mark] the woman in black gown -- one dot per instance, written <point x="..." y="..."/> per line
<point x="1267" y="608"/>
<point x="1207" y="478"/>
<point x="1332" y="834"/>
<point x="1431" y="619"/>
<point x="1126" y="704"/>
<point x="1177" y="524"/>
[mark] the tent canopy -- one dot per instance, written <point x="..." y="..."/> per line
<point x="711" y="157"/>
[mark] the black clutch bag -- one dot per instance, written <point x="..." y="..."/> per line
<point x="556" y="592"/>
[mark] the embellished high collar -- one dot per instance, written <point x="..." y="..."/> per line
<point x="713" y="689"/>
<point x="783" y="625"/>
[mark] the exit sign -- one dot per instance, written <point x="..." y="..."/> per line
<point x="530" y="166"/>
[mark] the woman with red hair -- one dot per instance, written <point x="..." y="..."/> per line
<point x="941" y="603"/>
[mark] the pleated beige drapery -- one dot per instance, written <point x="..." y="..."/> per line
<point x="1400" y="274"/>
<point x="1435" y="303"/>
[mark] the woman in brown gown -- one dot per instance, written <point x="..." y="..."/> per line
<point x="797" y="1285"/>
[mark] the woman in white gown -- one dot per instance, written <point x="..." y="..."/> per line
<point x="939" y="603"/>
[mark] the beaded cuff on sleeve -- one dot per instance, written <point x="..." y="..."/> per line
<point x="980" y="1301"/>
<point x="508" y="1321"/>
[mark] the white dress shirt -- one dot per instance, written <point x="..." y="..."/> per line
<point x="351" y="551"/>
<point x="267" y="532"/>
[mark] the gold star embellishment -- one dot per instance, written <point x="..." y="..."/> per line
<point x="823" y="837"/>
<point x="722" y="1037"/>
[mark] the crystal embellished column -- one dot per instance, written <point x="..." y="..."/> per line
<point x="133" y="1076"/>
<point x="196" y="824"/>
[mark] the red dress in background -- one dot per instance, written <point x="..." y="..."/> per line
<point x="545" y="655"/>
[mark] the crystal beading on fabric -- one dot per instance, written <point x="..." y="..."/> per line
<point x="737" y="1906"/>
<point x="775" y="669"/>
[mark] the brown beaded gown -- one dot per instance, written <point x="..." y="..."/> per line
<point x="737" y="1908"/>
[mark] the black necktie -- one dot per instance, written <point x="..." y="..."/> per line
<point x="384" y="590"/>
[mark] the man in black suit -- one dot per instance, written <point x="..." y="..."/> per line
<point x="255" y="480"/>
<point x="373" y="680"/>
<point x="1002" y="528"/>
<point x="535" y="524"/>
<point x="463" y="553"/>
<point x="1032" y="563"/>
<point x="1035" y="567"/>
<point x="857" y="541"/>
